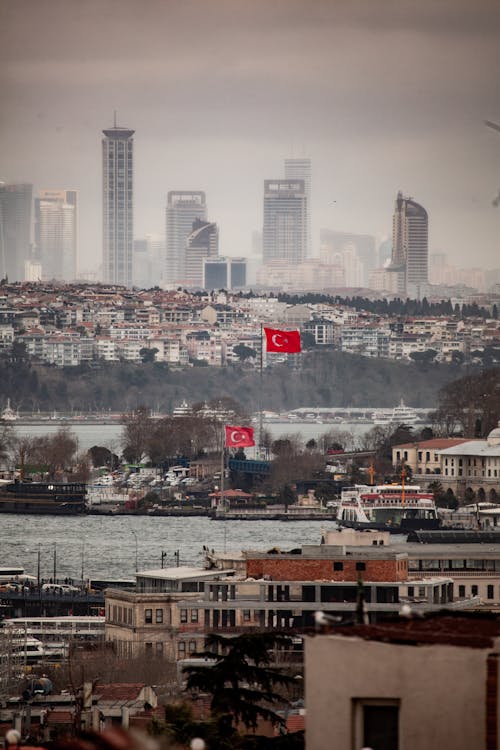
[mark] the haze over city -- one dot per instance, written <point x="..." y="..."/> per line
<point x="382" y="97"/>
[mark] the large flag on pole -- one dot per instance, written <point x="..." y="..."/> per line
<point x="239" y="437"/>
<point x="287" y="342"/>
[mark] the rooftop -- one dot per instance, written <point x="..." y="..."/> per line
<point x="473" y="631"/>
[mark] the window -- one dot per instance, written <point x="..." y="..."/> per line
<point x="461" y="592"/>
<point x="427" y="455"/>
<point x="246" y="615"/>
<point x="192" y="647"/>
<point x="338" y="566"/>
<point x="148" y="616"/>
<point x="148" y="648"/>
<point x="194" y="615"/>
<point x="184" y="615"/>
<point x="474" y="590"/>
<point x="411" y="591"/>
<point x="181" y="648"/>
<point x="490" y="592"/>
<point x="159" y="649"/>
<point x="376" y="723"/>
<point x="159" y="616"/>
<point x="360" y="566"/>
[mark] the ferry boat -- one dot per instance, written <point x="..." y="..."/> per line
<point x="43" y="498"/>
<point x="397" y="508"/>
<point x="8" y="414"/>
<point x="400" y="414"/>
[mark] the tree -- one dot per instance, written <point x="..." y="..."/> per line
<point x="136" y="431"/>
<point x="241" y="681"/>
<point x="148" y="355"/>
<point x="244" y="352"/>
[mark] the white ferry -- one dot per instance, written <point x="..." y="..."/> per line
<point x="400" y="414"/>
<point x="397" y="508"/>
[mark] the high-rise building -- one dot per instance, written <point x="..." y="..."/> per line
<point x="118" y="193"/>
<point x="285" y="213"/>
<point x="410" y="247"/>
<point x="183" y="208"/>
<point x="203" y="242"/>
<point x="15" y="229"/>
<point x="147" y="262"/>
<point x="300" y="169"/>
<point x="56" y="233"/>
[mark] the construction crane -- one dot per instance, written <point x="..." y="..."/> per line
<point x="494" y="126"/>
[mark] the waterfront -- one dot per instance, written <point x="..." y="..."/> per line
<point x="110" y="435"/>
<point x="107" y="545"/>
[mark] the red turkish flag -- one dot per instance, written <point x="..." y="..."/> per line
<point x="239" y="437"/>
<point x="287" y="342"/>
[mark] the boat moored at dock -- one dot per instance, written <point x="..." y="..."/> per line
<point x="47" y="498"/>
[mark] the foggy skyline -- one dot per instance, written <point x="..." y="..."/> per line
<point x="381" y="95"/>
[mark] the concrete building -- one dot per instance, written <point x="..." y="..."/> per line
<point x="423" y="456"/>
<point x="474" y="465"/>
<point x="15" y="229"/>
<point x="202" y="243"/>
<point x="118" y="193"/>
<point x="224" y="273"/>
<point x="56" y="233"/>
<point x="183" y="208"/>
<point x="410" y="247"/>
<point x="285" y="221"/>
<point x="408" y="683"/>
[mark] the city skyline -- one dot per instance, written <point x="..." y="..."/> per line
<point x="381" y="97"/>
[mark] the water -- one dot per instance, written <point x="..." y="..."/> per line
<point x="107" y="545"/>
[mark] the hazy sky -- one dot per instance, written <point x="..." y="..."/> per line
<point x="381" y="94"/>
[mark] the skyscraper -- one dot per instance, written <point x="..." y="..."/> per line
<point x="118" y="187"/>
<point x="15" y="229"/>
<point x="410" y="247"/>
<point x="56" y="233"/>
<point x="284" y="235"/>
<point x="300" y="169"/>
<point x="183" y="207"/>
<point x="203" y="242"/>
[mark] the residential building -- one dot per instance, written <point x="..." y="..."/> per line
<point x="407" y="683"/>
<point x="118" y="193"/>
<point x="183" y="208"/>
<point x="56" y="233"/>
<point x="410" y="247"/>
<point x="285" y="221"/>
<point x="299" y="168"/>
<point x="15" y="230"/>
<point x="201" y="243"/>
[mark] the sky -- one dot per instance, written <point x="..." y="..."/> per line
<point x="382" y="95"/>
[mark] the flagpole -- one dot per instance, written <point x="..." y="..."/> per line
<point x="222" y="467"/>
<point x="260" y="389"/>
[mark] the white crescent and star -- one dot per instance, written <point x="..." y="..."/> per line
<point x="279" y="340"/>
<point x="237" y="436"/>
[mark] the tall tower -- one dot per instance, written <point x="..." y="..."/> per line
<point x="56" y="233"/>
<point x="284" y="234"/>
<point x="15" y="230"/>
<point x="300" y="169"/>
<point x="203" y="242"/>
<point x="410" y="246"/>
<point x="183" y="208"/>
<point x="118" y="191"/>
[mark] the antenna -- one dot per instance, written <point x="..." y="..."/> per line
<point x="114" y="118"/>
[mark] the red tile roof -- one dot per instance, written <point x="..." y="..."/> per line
<point x="435" y="443"/>
<point x="119" y="691"/>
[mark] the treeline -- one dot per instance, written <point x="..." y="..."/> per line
<point x="325" y="378"/>
<point x="395" y="307"/>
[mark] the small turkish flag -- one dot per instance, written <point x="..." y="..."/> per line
<point x="287" y="342"/>
<point x="239" y="437"/>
